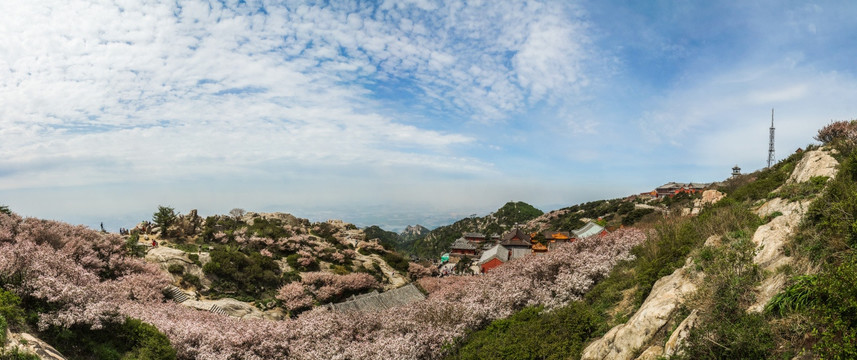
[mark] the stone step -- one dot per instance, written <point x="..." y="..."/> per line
<point x="217" y="310"/>
<point x="176" y="294"/>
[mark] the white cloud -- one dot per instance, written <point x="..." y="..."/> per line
<point x="100" y="92"/>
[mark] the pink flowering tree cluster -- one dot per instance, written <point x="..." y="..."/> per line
<point x="371" y="245"/>
<point x="322" y="287"/>
<point x="84" y="275"/>
<point x="417" y="271"/>
<point x="839" y="130"/>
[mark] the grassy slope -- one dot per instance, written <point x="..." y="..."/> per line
<point x="826" y="237"/>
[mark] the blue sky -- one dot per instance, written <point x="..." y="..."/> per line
<point x="401" y="112"/>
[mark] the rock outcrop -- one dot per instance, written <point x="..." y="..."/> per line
<point x="814" y="163"/>
<point x="770" y="238"/>
<point x="623" y="341"/>
<point x="287" y="219"/>
<point x="680" y="334"/>
<point x="30" y="344"/>
<point x="166" y="256"/>
<point x="708" y="197"/>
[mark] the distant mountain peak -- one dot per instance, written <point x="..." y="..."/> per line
<point x="415" y="230"/>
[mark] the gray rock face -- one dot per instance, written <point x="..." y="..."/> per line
<point x="31" y="344"/>
<point x="680" y="334"/>
<point x="652" y="353"/>
<point x="624" y="340"/>
<point x="771" y="238"/>
<point x="814" y="163"/>
<point x="166" y="256"/>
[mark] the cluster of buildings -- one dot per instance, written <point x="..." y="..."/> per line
<point x="492" y="251"/>
<point x="671" y="189"/>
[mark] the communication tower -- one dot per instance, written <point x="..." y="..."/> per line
<point x="771" y="144"/>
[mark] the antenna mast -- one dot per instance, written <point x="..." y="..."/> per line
<point x="771" y="144"/>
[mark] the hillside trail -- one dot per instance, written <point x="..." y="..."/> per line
<point x="638" y="334"/>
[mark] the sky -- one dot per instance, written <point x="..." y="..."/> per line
<point x="401" y="112"/>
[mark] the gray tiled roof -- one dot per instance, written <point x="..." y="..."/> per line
<point x="463" y="244"/>
<point x="497" y="251"/>
<point x="522" y="239"/>
<point x="588" y="230"/>
<point x="385" y="300"/>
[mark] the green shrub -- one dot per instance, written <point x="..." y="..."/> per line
<point x="291" y="276"/>
<point x="533" y="334"/>
<point x="3" y="327"/>
<point x="396" y="261"/>
<point x="830" y="224"/>
<point x="195" y="259"/>
<point x="800" y="295"/>
<point x="725" y="329"/>
<point x="175" y="269"/>
<point x="269" y="228"/>
<point x="238" y="274"/>
<point x="665" y="252"/>
<point x="634" y="215"/>
<point x="767" y="180"/>
<point x="800" y="191"/>
<point x="133" y="247"/>
<point x="131" y="339"/>
<point x="10" y="309"/>
<point x="340" y="270"/>
<point x="191" y="279"/>
<point x="827" y="301"/>
<point x="188" y="248"/>
<point x="16" y="354"/>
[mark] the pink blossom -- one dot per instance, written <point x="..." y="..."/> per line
<point x="294" y="297"/>
<point x="417" y="271"/>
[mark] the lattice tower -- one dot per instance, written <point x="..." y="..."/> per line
<point x="771" y="159"/>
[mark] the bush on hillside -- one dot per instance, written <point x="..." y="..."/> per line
<point x="396" y="261"/>
<point x="269" y="228"/>
<point x="246" y="276"/>
<point x="131" y="339"/>
<point x="635" y="215"/>
<point x="829" y="224"/>
<point x="725" y="329"/>
<point x="10" y="309"/>
<point x="3" y="326"/>
<point x="533" y="334"/>
<point x="175" y="269"/>
<point x="17" y="354"/>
